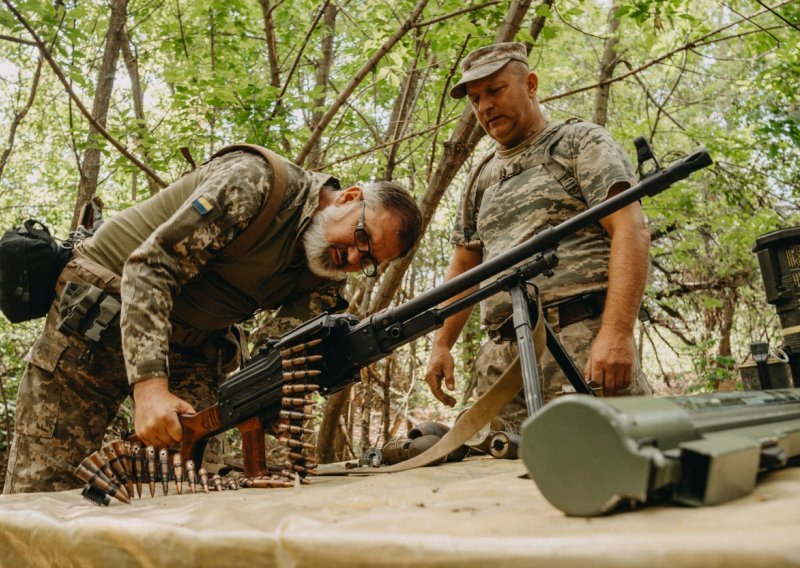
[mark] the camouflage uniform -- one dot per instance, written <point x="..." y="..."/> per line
<point x="517" y="194"/>
<point x="178" y="305"/>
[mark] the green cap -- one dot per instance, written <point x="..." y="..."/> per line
<point x="487" y="60"/>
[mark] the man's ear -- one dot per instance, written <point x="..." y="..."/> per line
<point x="352" y="193"/>
<point x="533" y="84"/>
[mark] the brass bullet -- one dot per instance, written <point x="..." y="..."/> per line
<point x="177" y="469"/>
<point x="292" y="443"/>
<point x="293" y="375"/>
<point x="191" y="476"/>
<point x="163" y="461"/>
<point x="300" y="361"/>
<point x="150" y="456"/>
<point x="289" y="351"/>
<point x="294" y="429"/>
<point x="290" y="415"/>
<point x="138" y="467"/>
<point x="203" y="479"/>
<point x="294" y="389"/>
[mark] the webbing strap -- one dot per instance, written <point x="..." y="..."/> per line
<point x="280" y="179"/>
<point x="479" y="415"/>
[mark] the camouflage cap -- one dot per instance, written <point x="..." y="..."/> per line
<point x="486" y="60"/>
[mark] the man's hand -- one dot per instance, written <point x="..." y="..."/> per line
<point x="156" y="413"/>
<point x="441" y="366"/>
<point x="610" y="361"/>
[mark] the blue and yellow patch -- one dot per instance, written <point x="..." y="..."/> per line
<point x="202" y="205"/>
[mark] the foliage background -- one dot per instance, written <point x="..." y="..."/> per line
<point x="324" y="83"/>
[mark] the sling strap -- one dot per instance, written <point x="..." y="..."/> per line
<point x="280" y="179"/>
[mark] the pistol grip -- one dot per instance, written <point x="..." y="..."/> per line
<point x="196" y="430"/>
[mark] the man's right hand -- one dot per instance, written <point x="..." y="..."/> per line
<point x="156" y="413"/>
<point x="441" y="367"/>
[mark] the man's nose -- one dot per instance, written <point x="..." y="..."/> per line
<point x="353" y="255"/>
<point x="485" y="104"/>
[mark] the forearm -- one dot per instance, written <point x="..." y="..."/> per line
<point x="629" y="260"/>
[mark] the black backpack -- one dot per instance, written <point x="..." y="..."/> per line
<point x="30" y="262"/>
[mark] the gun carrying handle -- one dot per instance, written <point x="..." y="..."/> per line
<point x="197" y="428"/>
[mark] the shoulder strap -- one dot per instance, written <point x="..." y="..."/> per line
<point x="280" y="178"/>
<point x="466" y="222"/>
<point x="559" y="172"/>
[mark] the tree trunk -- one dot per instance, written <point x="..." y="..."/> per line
<point x="401" y="113"/>
<point x="324" y="64"/>
<point x="137" y="94"/>
<point x="272" y="47"/>
<point x="330" y="434"/>
<point x="607" y="65"/>
<point x="102" y="97"/>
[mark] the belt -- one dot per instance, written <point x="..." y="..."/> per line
<point x="558" y="316"/>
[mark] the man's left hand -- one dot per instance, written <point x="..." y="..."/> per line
<point x="611" y="361"/>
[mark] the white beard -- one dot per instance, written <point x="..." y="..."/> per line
<point x="318" y="248"/>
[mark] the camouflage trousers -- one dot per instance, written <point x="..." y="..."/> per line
<point x="494" y="358"/>
<point x="70" y="392"/>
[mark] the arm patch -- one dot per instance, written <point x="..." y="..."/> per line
<point x="202" y="205"/>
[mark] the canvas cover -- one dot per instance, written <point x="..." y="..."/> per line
<point x="475" y="513"/>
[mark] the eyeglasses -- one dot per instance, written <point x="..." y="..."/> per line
<point x="369" y="266"/>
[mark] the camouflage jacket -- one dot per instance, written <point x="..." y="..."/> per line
<point x="517" y="194"/>
<point x="165" y="248"/>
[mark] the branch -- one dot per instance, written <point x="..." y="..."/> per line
<point x="687" y="46"/>
<point x="655" y="354"/>
<point x="19" y="116"/>
<point x="365" y="69"/>
<point x="777" y="15"/>
<point x="456" y="13"/>
<point x="60" y="74"/>
<point x="180" y="28"/>
<point x="389" y="143"/>
<point x="296" y="61"/>
<point x="17" y="40"/>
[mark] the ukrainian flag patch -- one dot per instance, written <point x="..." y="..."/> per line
<point x="202" y="205"/>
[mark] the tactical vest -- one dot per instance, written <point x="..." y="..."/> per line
<point x="227" y="290"/>
<point x="561" y="174"/>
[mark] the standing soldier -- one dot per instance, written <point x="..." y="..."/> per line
<point x="543" y="173"/>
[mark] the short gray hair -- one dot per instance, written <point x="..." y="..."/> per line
<point x="397" y="200"/>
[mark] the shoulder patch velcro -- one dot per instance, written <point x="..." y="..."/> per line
<point x="202" y="205"/>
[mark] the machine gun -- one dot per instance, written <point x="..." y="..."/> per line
<point x="325" y="354"/>
<point x="342" y="344"/>
<point x="695" y="450"/>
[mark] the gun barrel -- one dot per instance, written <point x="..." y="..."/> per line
<point x="547" y="239"/>
<point x="587" y="455"/>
